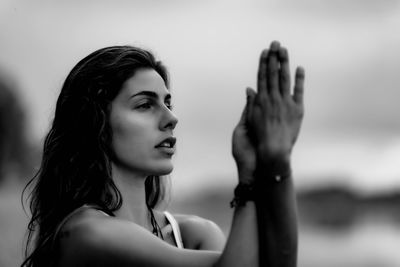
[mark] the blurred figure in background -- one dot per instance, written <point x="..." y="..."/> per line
<point x="15" y="151"/>
<point x="16" y="165"/>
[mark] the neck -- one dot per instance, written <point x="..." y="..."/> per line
<point x="133" y="193"/>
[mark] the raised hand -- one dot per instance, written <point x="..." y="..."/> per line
<point x="275" y="113"/>
<point x="242" y="148"/>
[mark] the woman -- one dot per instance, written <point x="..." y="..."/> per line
<point x="111" y="142"/>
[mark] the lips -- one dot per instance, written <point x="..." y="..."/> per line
<point x="167" y="143"/>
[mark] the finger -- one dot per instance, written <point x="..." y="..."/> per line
<point x="243" y="117"/>
<point x="251" y="96"/>
<point x="284" y="73"/>
<point x="262" y="71"/>
<point x="299" y="85"/>
<point x="251" y="102"/>
<point x="273" y="71"/>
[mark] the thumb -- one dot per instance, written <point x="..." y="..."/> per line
<point x="251" y="95"/>
<point x="243" y="117"/>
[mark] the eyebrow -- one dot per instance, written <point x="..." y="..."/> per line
<point x="150" y="94"/>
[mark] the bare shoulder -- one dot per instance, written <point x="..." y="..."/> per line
<point x="200" y="233"/>
<point x="94" y="239"/>
<point x="81" y="233"/>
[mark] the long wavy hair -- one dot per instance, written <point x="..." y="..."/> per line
<point x="76" y="162"/>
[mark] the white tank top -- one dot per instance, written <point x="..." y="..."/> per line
<point x="175" y="229"/>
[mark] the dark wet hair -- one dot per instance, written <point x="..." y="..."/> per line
<point x="76" y="162"/>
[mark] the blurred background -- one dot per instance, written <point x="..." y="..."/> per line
<point x="346" y="161"/>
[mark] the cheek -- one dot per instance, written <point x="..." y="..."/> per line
<point x="131" y="139"/>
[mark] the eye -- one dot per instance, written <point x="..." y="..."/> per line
<point x="145" y="105"/>
<point x="168" y="103"/>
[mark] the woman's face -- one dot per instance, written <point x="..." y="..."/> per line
<point x="142" y="124"/>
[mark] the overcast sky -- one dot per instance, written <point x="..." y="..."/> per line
<point x="348" y="48"/>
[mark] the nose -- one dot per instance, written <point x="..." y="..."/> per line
<point x="168" y="121"/>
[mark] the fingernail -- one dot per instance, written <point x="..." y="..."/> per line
<point x="248" y="92"/>
<point x="275" y="46"/>
<point x="264" y="53"/>
<point x="300" y="71"/>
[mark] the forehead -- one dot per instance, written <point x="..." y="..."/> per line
<point x="144" y="80"/>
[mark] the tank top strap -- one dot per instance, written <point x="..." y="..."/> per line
<point x="175" y="229"/>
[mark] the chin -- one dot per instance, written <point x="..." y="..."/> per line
<point x="163" y="170"/>
<point x="158" y="167"/>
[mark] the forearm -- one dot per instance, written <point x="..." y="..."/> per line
<point x="242" y="245"/>
<point x="277" y="220"/>
<point x="264" y="232"/>
<point x="263" y="141"/>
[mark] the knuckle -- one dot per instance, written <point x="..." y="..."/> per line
<point x="273" y="71"/>
<point x="300" y="75"/>
<point x="284" y="76"/>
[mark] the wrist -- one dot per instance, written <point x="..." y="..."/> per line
<point x="273" y="171"/>
<point x="268" y="154"/>
<point x="246" y="176"/>
<point x="242" y="194"/>
<point x="278" y="163"/>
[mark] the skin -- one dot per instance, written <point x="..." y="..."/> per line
<point x="140" y="118"/>
<point x="262" y="146"/>
<point x="261" y="234"/>
<point x="275" y="119"/>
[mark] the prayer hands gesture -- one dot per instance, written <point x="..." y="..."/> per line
<point x="271" y="120"/>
